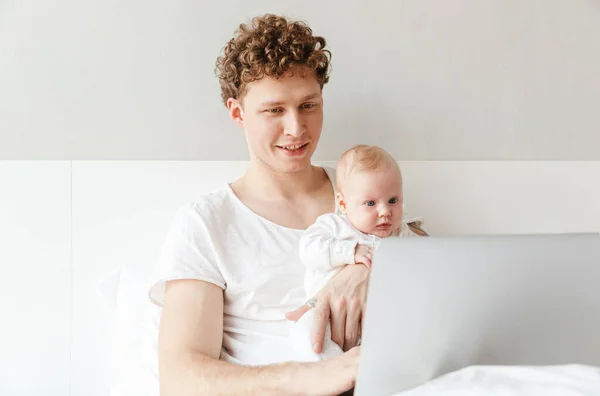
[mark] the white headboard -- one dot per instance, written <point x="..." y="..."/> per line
<point x="64" y="225"/>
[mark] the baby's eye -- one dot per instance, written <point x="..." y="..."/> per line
<point x="370" y="203"/>
<point x="394" y="200"/>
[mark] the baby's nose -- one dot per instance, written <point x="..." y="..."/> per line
<point x="384" y="211"/>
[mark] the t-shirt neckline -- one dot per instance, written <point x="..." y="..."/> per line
<point x="247" y="209"/>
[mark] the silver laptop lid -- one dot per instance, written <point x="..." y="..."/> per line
<point x="439" y="304"/>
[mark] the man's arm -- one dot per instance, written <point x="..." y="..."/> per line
<point x="190" y="340"/>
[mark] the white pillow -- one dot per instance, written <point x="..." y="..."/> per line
<point x="108" y="289"/>
<point x="134" y="333"/>
<point x="565" y="380"/>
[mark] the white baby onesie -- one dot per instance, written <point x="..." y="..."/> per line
<point x="325" y="248"/>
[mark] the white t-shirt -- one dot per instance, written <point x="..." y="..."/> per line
<point x="219" y="240"/>
<point x="329" y="244"/>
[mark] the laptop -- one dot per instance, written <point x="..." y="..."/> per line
<point x="439" y="304"/>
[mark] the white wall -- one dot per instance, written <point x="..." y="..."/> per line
<point x="35" y="278"/>
<point x="65" y="225"/>
<point x="428" y="79"/>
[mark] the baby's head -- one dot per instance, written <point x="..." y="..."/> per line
<point x="369" y="185"/>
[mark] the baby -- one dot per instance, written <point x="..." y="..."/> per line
<point x="370" y="207"/>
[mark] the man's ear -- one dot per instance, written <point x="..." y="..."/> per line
<point x="236" y="112"/>
<point x="341" y="203"/>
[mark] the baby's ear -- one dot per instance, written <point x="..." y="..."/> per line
<point x="341" y="203"/>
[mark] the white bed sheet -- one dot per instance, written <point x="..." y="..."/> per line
<point x="564" y="380"/>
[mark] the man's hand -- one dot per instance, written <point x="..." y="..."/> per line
<point x="363" y="254"/>
<point x="343" y="299"/>
<point x="338" y="374"/>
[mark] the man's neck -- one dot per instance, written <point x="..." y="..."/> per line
<point x="278" y="185"/>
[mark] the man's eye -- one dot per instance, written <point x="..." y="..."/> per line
<point x="308" y="105"/>
<point x="275" y="110"/>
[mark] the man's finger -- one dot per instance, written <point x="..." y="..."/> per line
<point x="297" y="314"/>
<point x="338" y="323"/>
<point x="320" y="320"/>
<point x="352" y="328"/>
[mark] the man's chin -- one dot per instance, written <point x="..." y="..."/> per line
<point x="290" y="167"/>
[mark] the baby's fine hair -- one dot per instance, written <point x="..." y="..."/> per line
<point x="363" y="158"/>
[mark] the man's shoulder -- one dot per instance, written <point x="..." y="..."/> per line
<point x="213" y="200"/>
<point x="331" y="218"/>
<point x="209" y="206"/>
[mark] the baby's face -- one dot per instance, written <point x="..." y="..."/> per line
<point x="372" y="201"/>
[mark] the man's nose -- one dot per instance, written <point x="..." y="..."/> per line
<point x="294" y="124"/>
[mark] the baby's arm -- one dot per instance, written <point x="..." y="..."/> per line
<point x="322" y="248"/>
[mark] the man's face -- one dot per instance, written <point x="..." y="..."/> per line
<point x="282" y="120"/>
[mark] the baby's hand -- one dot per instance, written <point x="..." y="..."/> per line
<point x="363" y="255"/>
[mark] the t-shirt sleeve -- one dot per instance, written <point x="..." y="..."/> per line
<point x="187" y="253"/>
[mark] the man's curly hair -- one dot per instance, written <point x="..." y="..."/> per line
<point x="270" y="46"/>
